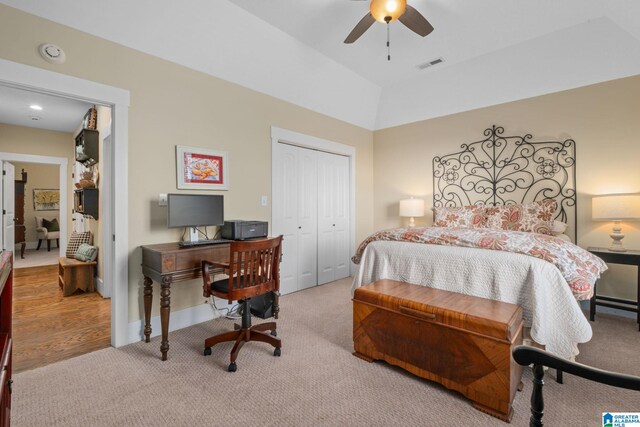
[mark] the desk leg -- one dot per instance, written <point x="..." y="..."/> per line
<point x="276" y="304"/>
<point x="148" y="299"/>
<point x="23" y="245"/>
<point x="165" y="309"/>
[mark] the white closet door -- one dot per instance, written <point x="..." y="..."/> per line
<point x="8" y="206"/>
<point x="341" y="216"/>
<point x="285" y="213"/>
<point x="333" y="217"/>
<point x="307" y="218"/>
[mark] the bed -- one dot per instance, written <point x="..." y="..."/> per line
<point x="536" y="267"/>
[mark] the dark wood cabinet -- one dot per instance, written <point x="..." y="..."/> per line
<point x="85" y="202"/>
<point x="88" y="147"/>
<point x="6" y="343"/>
<point x="19" y="227"/>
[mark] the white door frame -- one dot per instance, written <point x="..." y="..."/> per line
<point x="62" y="163"/>
<point x="279" y="135"/>
<point x="44" y="81"/>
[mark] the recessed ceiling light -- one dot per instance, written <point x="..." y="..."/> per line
<point x="35" y="107"/>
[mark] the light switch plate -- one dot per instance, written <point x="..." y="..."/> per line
<point x="162" y="199"/>
<point x="264" y="201"/>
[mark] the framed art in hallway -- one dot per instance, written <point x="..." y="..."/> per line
<point x="46" y="200"/>
<point x="201" y="168"/>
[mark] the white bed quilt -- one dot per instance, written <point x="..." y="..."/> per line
<point x="550" y="309"/>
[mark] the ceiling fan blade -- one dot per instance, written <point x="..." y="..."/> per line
<point x="413" y="20"/>
<point x="360" y="28"/>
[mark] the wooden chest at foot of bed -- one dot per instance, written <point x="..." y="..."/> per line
<point x="459" y="341"/>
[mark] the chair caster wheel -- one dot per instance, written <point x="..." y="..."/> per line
<point x="274" y="333"/>
<point x="207" y="351"/>
<point x="233" y="367"/>
<point x="277" y="352"/>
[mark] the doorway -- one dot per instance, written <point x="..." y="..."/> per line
<point x="35" y="246"/>
<point x="114" y="208"/>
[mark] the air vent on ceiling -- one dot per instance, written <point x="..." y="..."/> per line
<point x="430" y="63"/>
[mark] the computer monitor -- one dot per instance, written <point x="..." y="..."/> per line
<point x="194" y="210"/>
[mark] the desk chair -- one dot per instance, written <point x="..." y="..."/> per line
<point x="525" y="356"/>
<point x="253" y="270"/>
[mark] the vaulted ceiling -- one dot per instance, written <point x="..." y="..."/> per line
<point x="494" y="51"/>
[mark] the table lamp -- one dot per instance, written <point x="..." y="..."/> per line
<point x="616" y="208"/>
<point x="412" y="208"/>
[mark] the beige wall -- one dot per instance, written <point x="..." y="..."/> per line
<point x="602" y="119"/>
<point x="172" y="105"/>
<point x="22" y="140"/>
<point x="39" y="176"/>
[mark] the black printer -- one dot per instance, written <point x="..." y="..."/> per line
<point x="237" y="229"/>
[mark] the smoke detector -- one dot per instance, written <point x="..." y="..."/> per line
<point x="52" y="53"/>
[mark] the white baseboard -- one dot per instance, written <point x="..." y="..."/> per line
<point x="102" y="288"/>
<point x="34" y="245"/>
<point x="177" y="320"/>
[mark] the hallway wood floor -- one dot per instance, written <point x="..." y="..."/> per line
<point x="48" y="327"/>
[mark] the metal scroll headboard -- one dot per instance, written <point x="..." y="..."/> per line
<point x="504" y="170"/>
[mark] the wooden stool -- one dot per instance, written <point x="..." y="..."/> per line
<point x="74" y="274"/>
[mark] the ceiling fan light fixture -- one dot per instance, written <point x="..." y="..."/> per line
<point x="382" y="10"/>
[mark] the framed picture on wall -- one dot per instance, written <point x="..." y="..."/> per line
<point x="46" y="200"/>
<point x="201" y="168"/>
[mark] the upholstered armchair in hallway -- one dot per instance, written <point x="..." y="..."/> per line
<point x="48" y="234"/>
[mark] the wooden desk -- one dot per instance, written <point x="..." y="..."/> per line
<point x="167" y="263"/>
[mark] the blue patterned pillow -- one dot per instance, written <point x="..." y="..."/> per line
<point x="86" y="253"/>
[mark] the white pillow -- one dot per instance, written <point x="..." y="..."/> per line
<point x="558" y="228"/>
<point x="564" y="237"/>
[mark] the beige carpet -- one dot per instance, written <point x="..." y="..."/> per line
<point x="317" y="381"/>
<point x="34" y="258"/>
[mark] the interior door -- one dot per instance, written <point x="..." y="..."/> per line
<point x="333" y="217"/>
<point x="326" y="225"/>
<point x="341" y="215"/>
<point x="307" y="218"/>
<point x="285" y="213"/>
<point x="8" y="206"/>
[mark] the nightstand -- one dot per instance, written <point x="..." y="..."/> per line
<point x="629" y="258"/>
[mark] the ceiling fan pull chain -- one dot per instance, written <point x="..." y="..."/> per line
<point x="388" y="44"/>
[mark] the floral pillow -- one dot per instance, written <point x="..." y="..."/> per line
<point x="461" y="216"/>
<point x="535" y="217"/>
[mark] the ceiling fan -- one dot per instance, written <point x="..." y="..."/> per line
<point x="387" y="11"/>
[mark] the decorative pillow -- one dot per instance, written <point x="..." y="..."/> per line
<point x="461" y="216"/>
<point x="558" y="227"/>
<point x="75" y="241"/>
<point x="86" y="253"/>
<point x="535" y="217"/>
<point x="51" y="225"/>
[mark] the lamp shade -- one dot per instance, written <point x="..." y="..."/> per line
<point x="616" y="207"/>
<point x="412" y="207"/>
<point x="381" y="9"/>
